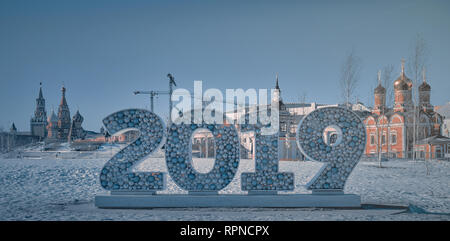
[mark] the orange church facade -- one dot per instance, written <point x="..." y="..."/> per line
<point x="390" y="130"/>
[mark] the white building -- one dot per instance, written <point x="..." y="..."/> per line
<point x="444" y="111"/>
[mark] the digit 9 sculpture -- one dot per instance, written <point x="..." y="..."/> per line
<point x="342" y="155"/>
<point x="179" y="157"/>
<point x="115" y="175"/>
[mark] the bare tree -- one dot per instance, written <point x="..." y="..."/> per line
<point x="370" y="101"/>
<point x="388" y="79"/>
<point x="418" y="60"/>
<point x="379" y="127"/>
<point x="302" y="97"/>
<point x="385" y="78"/>
<point x="349" y="76"/>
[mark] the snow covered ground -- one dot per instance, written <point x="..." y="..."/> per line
<point x="64" y="188"/>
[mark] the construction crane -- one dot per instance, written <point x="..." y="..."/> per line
<point x="154" y="93"/>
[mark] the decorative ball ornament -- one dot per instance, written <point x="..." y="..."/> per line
<point x="335" y="136"/>
<point x="115" y="174"/>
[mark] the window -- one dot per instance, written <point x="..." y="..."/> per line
<point x="383" y="139"/>
<point x="372" y="140"/>
<point x="283" y="127"/>
<point x="421" y="152"/>
<point x="394" y="138"/>
<point x="293" y="128"/>
<point x="333" y="138"/>
<point x="438" y="152"/>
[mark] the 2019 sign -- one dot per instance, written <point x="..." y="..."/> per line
<point x="340" y="155"/>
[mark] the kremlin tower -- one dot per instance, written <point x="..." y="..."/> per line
<point x="38" y="122"/>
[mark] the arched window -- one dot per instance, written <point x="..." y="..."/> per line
<point x="393" y="137"/>
<point x="372" y="139"/>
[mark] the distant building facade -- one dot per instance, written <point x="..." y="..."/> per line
<point x="434" y="147"/>
<point x="12" y="138"/>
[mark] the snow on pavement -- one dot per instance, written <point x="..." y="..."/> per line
<point x="64" y="189"/>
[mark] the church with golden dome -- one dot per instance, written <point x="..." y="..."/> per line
<point x="390" y="130"/>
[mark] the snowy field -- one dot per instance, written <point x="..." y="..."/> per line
<point x="63" y="189"/>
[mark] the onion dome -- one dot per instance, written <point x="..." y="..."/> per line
<point x="403" y="82"/>
<point x="380" y="89"/>
<point x="52" y="118"/>
<point x="424" y="87"/>
<point x="77" y="117"/>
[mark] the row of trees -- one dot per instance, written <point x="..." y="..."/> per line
<point x="350" y="77"/>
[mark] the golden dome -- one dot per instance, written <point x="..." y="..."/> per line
<point x="401" y="84"/>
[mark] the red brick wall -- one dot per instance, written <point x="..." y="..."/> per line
<point x="394" y="126"/>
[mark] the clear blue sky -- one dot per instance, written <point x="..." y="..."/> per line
<point x="104" y="50"/>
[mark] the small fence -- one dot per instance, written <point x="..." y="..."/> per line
<point x="417" y="155"/>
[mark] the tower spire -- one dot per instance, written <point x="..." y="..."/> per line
<point x="403" y="67"/>
<point x="63" y="117"/>
<point x="276" y="85"/>
<point x="41" y="96"/>
<point x="424" y="76"/>
<point x="38" y="121"/>
<point x="13" y="128"/>
<point x="379" y="77"/>
<point x="63" y="99"/>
